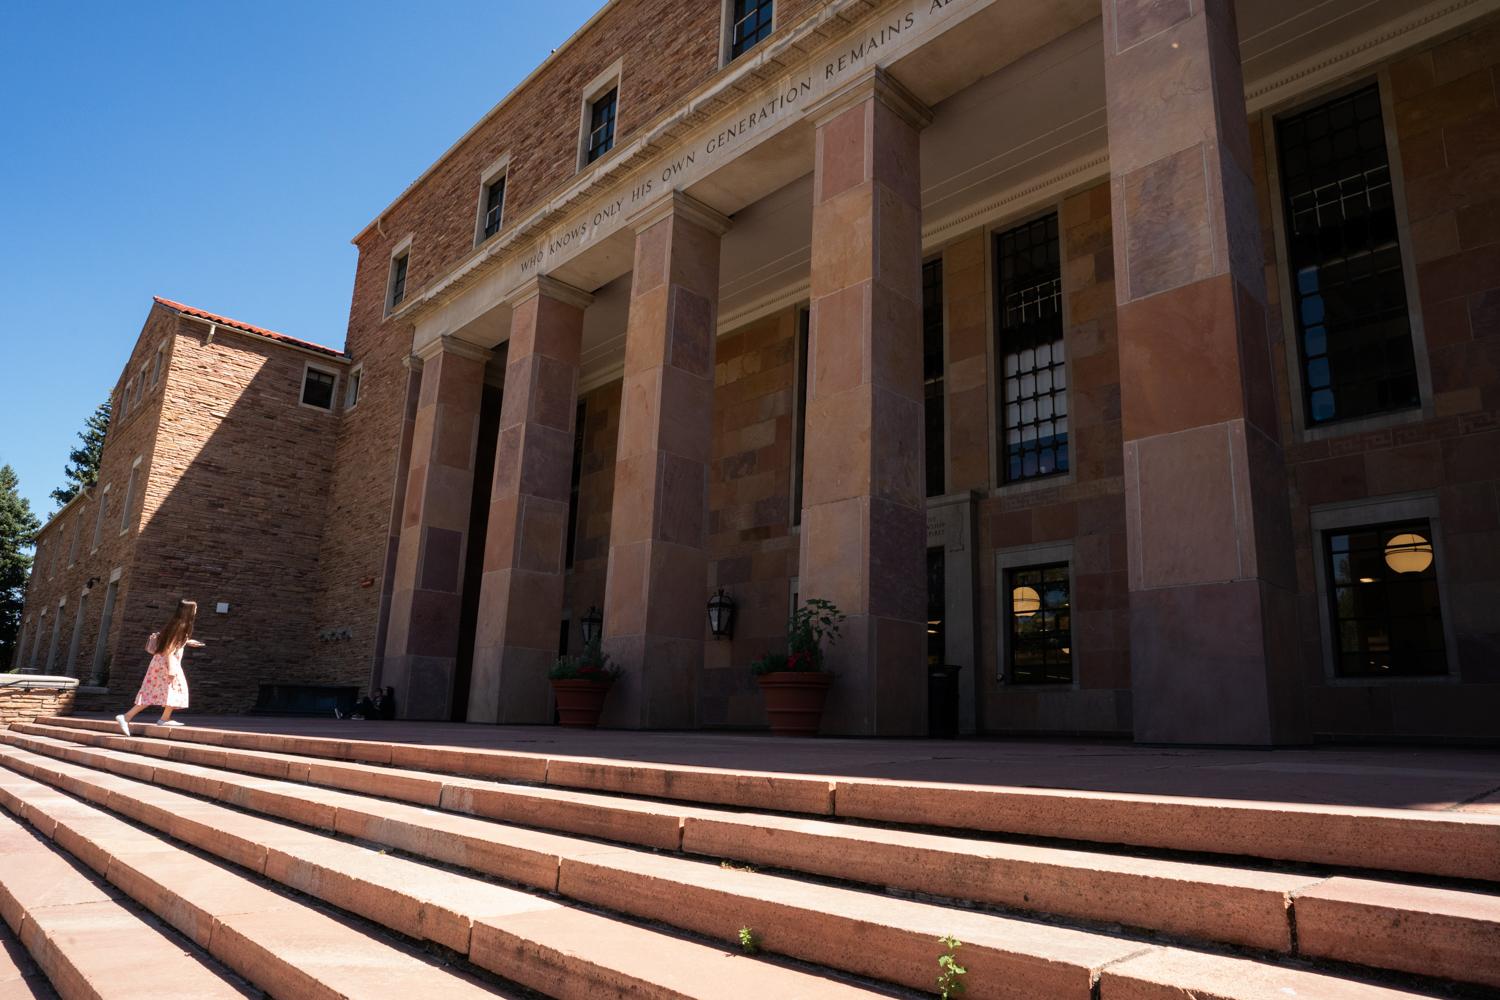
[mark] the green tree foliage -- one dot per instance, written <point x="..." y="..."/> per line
<point x="82" y="470"/>
<point x="18" y="528"/>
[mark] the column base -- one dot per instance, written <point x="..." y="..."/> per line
<point x="662" y="691"/>
<point x="510" y="687"/>
<point x="880" y="679"/>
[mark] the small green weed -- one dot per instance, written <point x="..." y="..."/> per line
<point x="748" y="944"/>
<point x="949" y="971"/>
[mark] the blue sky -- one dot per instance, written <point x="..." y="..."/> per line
<point x="219" y="154"/>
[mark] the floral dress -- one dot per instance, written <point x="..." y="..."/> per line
<point x="165" y="684"/>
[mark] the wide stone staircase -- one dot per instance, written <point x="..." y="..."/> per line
<point x="198" y="862"/>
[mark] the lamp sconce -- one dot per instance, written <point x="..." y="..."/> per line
<point x="721" y="615"/>
<point x="591" y="626"/>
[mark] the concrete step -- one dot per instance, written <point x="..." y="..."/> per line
<point x="84" y="937"/>
<point x="869" y="935"/>
<point x="1196" y="901"/>
<point x="1193" y="902"/>
<point x="20" y="977"/>
<point x="277" y="943"/>
<point x="536" y="942"/>
<point x="1450" y="845"/>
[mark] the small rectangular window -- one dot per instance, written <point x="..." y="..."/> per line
<point x="750" y="24"/>
<point x="1033" y="364"/>
<point x="933" y="370"/>
<point x="135" y="472"/>
<point x="99" y="517"/>
<point x="317" y="389"/>
<point x="351" y="389"/>
<point x="398" y="279"/>
<point x="101" y="643"/>
<point x="125" y="399"/>
<point x="161" y="357"/>
<point x="77" y="536"/>
<point x="601" y="137"/>
<point x="494" y="206"/>
<point x="1344" y="255"/>
<point x="140" y="386"/>
<point x="1039" y="607"/>
<point x="1383" y="601"/>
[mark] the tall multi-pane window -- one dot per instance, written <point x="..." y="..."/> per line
<point x="751" y="23"/>
<point x="494" y="205"/>
<point x="398" y="279"/>
<point x="99" y="517"/>
<point x="1383" y="601"/>
<point x="601" y="126"/>
<point x="161" y="357"/>
<point x="1348" y="290"/>
<point x="77" y="536"/>
<point x="1041" y="625"/>
<point x="101" y="643"/>
<point x="799" y="434"/>
<point x="135" y="472"/>
<point x="1034" y="384"/>
<point x="574" y="483"/>
<point x="933" y="370"/>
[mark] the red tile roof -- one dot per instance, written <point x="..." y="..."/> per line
<point x="258" y="331"/>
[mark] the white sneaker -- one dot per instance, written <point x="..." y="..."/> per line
<point x="171" y="722"/>
<point x="124" y="726"/>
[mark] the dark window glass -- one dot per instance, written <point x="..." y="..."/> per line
<point x="577" y="477"/>
<point x="752" y="22"/>
<point x="1349" y="295"/>
<point x="1383" y="601"/>
<point x="1041" y="625"/>
<point x="932" y="372"/>
<point x="800" y="442"/>
<point x="601" y="126"/>
<point x="1034" y="371"/>
<point x="937" y="605"/>
<point x="398" y="278"/>
<point x="494" y="204"/>
<point x="317" y="389"/>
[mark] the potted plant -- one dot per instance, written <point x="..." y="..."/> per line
<point x="580" y="684"/>
<point x="794" y="683"/>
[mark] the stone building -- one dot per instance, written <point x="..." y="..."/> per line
<point x="212" y="487"/>
<point x="1144" y="362"/>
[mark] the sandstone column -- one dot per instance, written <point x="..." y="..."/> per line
<point x="864" y="520"/>
<point x="521" y="599"/>
<point x="422" y="638"/>
<point x="1213" y="656"/>
<point x="657" y="586"/>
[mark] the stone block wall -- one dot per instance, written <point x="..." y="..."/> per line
<point x="28" y="702"/>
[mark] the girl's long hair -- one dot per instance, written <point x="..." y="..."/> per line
<point x="178" y="629"/>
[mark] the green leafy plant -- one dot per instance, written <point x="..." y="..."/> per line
<point x="748" y="944"/>
<point x="949" y="971"/>
<point x="592" y="664"/>
<point x="810" y="631"/>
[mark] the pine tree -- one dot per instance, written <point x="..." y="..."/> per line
<point x="83" y="462"/>
<point x="18" y="528"/>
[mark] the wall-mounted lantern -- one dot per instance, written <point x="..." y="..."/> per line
<point x="721" y="615"/>
<point x="591" y="626"/>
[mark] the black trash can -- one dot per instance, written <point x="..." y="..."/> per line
<point x="942" y="700"/>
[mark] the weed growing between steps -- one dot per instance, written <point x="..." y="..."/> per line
<point x="949" y="971"/>
<point x="748" y="944"/>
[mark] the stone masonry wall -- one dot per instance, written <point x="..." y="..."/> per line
<point x="1085" y="507"/>
<point x="1447" y="149"/>
<point x="18" y="704"/>
<point x="234" y="513"/>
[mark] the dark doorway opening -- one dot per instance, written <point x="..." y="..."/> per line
<point x="479" y="519"/>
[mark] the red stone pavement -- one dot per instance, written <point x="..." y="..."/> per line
<point x="1393" y="777"/>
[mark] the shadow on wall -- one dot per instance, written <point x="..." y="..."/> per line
<point x="236" y="495"/>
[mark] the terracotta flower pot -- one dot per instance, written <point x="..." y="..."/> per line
<point x="794" y="700"/>
<point x="579" y="702"/>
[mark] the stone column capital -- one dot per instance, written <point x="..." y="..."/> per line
<point x="412" y="363"/>
<point x="685" y="205"/>
<point x="546" y="285"/>
<point x="877" y="83"/>
<point x="451" y="345"/>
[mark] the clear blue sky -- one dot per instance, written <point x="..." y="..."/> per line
<point x="220" y="154"/>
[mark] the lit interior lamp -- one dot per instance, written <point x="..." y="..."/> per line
<point x="1408" y="553"/>
<point x="1025" y="602"/>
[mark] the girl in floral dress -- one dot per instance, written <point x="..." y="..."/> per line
<point x="165" y="684"/>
